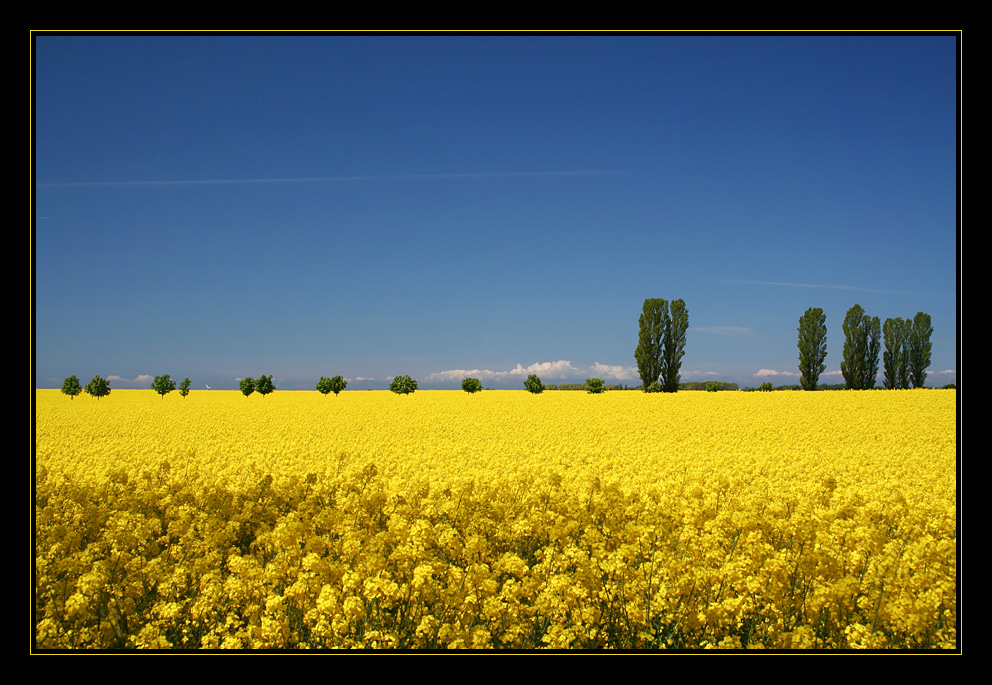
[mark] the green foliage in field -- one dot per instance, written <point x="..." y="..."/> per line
<point x="812" y="346"/>
<point x="403" y="385"/>
<point x="533" y="384"/>
<point x="328" y="385"/>
<point x="595" y="386"/>
<point x="98" y="387"/>
<point x="264" y="385"/>
<point x="163" y="385"/>
<point x="247" y="386"/>
<point x="71" y="387"/>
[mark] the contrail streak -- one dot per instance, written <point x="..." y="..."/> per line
<point x="831" y="287"/>
<point x="321" y="179"/>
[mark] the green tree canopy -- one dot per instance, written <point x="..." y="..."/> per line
<point x="812" y="347"/>
<point x="862" y="343"/>
<point x="595" y="386"/>
<point x="533" y="384"/>
<point x="264" y="385"/>
<point x="472" y="385"/>
<point x="247" y="386"/>
<point x="71" y="387"/>
<point x="650" y="329"/>
<point x="674" y="345"/>
<point x="403" y="385"/>
<point x="919" y="348"/>
<point x="895" y="358"/>
<point x="163" y="385"/>
<point x="184" y="387"/>
<point x="338" y="383"/>
<point x="98" y="387"/>
<point x="328" y="385"/>
<point x="661" y="343"/>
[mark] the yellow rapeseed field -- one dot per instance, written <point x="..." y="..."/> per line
<point x="438" y="520"/>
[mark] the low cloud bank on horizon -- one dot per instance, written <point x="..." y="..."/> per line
<point x="562" y="368"/>
<point x="143" y="378"/>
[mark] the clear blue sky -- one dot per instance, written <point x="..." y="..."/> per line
<point x="215" y="207"/>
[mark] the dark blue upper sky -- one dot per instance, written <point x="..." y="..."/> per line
<point x="219" y="206"/>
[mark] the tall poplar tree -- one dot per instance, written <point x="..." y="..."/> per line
<point x="895" y="358"/>
<point x="919" y="348"/>
<point x="673" y="348"/>
<point x="661" y="343"/>
<point x="862" y="345"/>
<point x="812" y="347"/>
<point x="874" y="349"/>
<point x="649" y="340"/>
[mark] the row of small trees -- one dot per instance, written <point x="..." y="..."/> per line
<point x="906" y="357"/>
<point x="98" y="387"/>
<point x="661" y="346"/>
<point x="262" y="385"/>
<point x="404" y="385"/>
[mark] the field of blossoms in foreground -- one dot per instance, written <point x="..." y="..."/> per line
<point x="441" y="520"/>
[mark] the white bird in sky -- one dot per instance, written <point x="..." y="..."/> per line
<point x="208" y="387"/>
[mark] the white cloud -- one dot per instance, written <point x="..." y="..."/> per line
<point x="616" y="371"/>
<point x="143" y="378"/>
<point x="458" y="374"/>
<point x="772" y="372"/>
<point x="557" y="369"/>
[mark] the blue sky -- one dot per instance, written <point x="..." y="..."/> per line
<point x="221" y="206"/>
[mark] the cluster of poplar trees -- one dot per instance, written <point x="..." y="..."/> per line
<point x="905" y="359"/>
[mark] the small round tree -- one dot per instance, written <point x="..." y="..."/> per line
<point x="403" y="385"/>
<point x="595" y="386"/>
<point x="338" y="384"/>
<point x="163" y="385"/>
<point x="247" y="386"/>
<point x="71" y="387"/>
<point x="98" y="387"/>
<point x="534" y="384"/>
<point x="328" y="385"/>
<point x="264" y="385"/>
<point x="324" y="385"/>
<point x="184" y="387"/>
<point x="471" y="385"/>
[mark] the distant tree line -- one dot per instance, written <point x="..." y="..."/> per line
<point x="98" y="387"/>
<point x="905" y="361"/>
<point x="582" y="386"/>
<point x="660" y="347"/>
